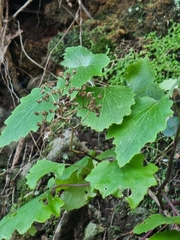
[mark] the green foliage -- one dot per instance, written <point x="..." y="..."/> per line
<point x="39" y="209"/>
<point x="163" y="52"/>
<point x="146" y="120"/>
<point x="86" y="64"/>
<point x="118" y="65"/>
<point x="156" y="220"/>
<point x="166" y="235"/>
<point x="29" y="114"/>
<point x="115" y="101"/>
<point x="132" y="115"/>
<point x="117" y="179"/>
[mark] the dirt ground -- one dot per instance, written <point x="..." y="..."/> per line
<point x="40" y="21"/>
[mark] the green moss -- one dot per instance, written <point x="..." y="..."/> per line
<point x="162" y="51"/>
<point x="102" y="46"/>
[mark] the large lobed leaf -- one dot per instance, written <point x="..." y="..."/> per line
<point x="23" y="118"/>
<point x="116" y="103"/>
<point x="148" y="117"/>
<point x="109" y="178"/>
<point x="86" y="64"/>
<point x="35" y="210"/>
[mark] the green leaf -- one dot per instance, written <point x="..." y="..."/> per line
<point x="116" y="103"/>
<point x="86" y="64"/>
<point x="35" y="210"/>
<point x="166" y="235"/>
<point x="154" y="221"/>
<point x="23" y="118"/>
<point x="109" y="178"/>
<point x="40" y="169"/>
<point x="140" y="76"/>
<point x="148" y="117"/>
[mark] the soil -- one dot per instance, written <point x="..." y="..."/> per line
<point x="40" y="21"/>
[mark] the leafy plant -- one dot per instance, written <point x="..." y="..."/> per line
<point x="132" y="115"/>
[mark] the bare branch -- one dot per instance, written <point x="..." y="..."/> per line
<point x="24" y="6"/>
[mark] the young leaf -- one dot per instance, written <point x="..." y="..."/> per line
<point x="42" y="168"/>
<point x="109" y="178"/>
<point x="86" y="64"/>
<point x="148" y="117"/>
<point x="116" y="103"/>
<point x="35" y="210"/>
<point x="154" y="221"/>
<point x="26" y="116"/>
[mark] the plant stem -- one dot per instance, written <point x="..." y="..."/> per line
<point x="147" y="235"/>
<point x="170" y="204"/>
<point x="72" y="185"/>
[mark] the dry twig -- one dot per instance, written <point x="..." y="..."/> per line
<point x="24" y="6"/>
